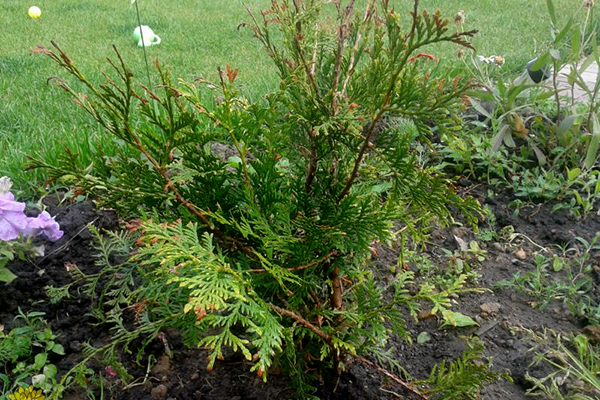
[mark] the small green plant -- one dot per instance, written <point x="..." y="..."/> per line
<point x="489" y="232"/>
<point x="28" y="349"/>
<point x="541" y="283"/>
<point x="18" y="248"/>
<point x="574" y="362"/>
<point x="502" y="101"/>
<point x="505" y="104"/>
<point x="583" y="190"/>
<point x="576" y="191"/>
<point x="537" y="184"/>
<point x="465" y="377"/>
<point x="537" y="139"/>
<point x="464" y="260"/>
<point x="461" y="264"/>
<point x="574" y="128"/>
<point x="575" y="46"/>
<point x="471" y="155"/>
<point x="561" y="278"/>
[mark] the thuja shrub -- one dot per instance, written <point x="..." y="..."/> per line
<point x="264" y="213"/>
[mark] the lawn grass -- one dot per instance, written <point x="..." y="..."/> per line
<point x="197" y="36"/>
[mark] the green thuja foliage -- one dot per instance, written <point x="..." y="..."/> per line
<point x="465" y="377"/>
<point x="271" y="207"/>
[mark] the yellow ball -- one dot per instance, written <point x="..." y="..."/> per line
<point x="34" y="12"/>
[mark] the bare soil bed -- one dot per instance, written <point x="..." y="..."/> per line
<point x="184" y="377"/>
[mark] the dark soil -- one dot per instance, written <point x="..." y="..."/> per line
<point x="184" y="377"/>
<point x="507" y="349"/>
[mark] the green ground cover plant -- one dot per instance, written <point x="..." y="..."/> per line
<point x="29" y="347"/>
<point x="535" y="138"/>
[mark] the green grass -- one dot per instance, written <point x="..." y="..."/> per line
<point x="36" y="118"/>
<point x="197" y="36"/>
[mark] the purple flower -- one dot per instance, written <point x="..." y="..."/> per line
<point x="12" y="218"/>
<point x="8" y="196"/>
<point x="14" y="222"/>
<point x="45" y="224"/>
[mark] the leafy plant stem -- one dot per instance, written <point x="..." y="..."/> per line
<point x="139" y="19"/>
<point x="556" y="90"/>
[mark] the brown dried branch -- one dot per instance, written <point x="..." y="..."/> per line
<point x="307" y="69"/>
<point x="328" y="339"/>
<point x="337" y="302"/>
<point x="390" y="376"/>
<point x="415" y="17"/>
<point x="369" y="12"/>
<point x="361" y="153"/>
<point x="303" y="321"/>
<point x="312" y="164"/>
<point x="342" y="34"/>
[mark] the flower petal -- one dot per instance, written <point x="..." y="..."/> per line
<point x="7" y="230"/>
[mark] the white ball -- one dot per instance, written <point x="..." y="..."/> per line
<point x="34" y="12"/>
